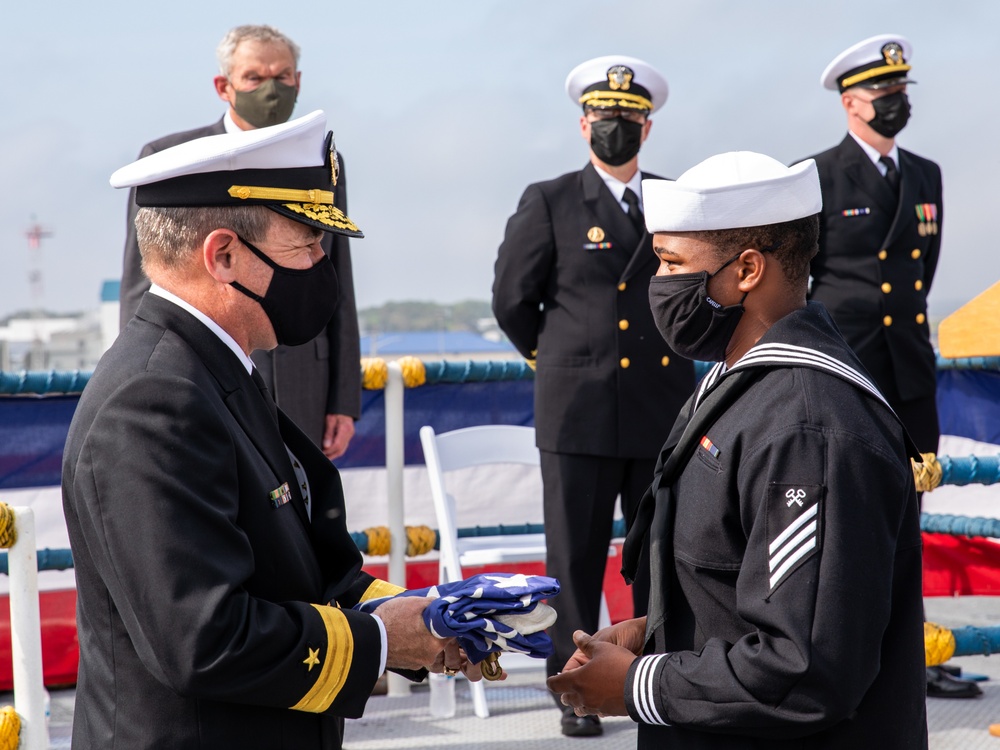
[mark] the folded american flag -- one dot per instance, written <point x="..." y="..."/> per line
<point x="490" y="612"/>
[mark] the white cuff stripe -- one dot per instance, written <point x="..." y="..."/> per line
<point x="644" y="689"/>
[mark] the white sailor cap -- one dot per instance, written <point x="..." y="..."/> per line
<point x="617" y="81"/>
<point x="875" y="63"/>
<point x="290" y="168"/>
<point x="732" y="190"/>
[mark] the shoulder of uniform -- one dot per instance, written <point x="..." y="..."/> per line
<point x="928" y="164"/>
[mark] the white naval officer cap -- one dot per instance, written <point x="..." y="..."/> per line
<point x="874" y="63"/>
<point x="617" y="81"/>
<point x="730" y="191"/>
<point x="291" y="168"/>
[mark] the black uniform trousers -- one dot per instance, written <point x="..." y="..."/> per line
<point x="579" y="503"/>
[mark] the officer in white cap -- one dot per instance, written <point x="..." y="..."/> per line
<point x="215" y="573"/>
<point x="782" y="524"/>
<point x="880" y="239"/>
<point x="570" y="294"/>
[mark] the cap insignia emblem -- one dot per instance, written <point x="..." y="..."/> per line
<point x="334" y="161"/>
<point x="893" y="54"/>
<point x="595" y="234"/>
<point x="620" y="77"/>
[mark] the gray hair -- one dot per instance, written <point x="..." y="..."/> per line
<point x="169" y="236"/>
<point x="260" y="33"/>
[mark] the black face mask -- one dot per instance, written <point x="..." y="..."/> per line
<point x="692" y="323"/>
<point x="892" y="112"/>
<point x="298" y="302"/>
<point x="615" y="141"/>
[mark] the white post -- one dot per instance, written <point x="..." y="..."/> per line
<point x="26" y="634"/>
<point x="394" y="458"/>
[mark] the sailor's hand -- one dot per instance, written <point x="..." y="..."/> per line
<point x="596" y="687"/>
<point x="453" y="660"/>
<point x="630" y="634"/>
<point x="410" y="643"/>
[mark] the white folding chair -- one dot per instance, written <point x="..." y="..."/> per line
<point x="479" y="446"/>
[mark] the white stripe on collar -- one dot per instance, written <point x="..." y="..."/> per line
<point x="789" y="354"/>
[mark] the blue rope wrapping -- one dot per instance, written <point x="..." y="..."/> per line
<point x="960" y="525"/>
<point x="477" y="371"/>
<point x="968" y="363"/>
<point x="973" y="641"/>
<point x="42" y="382"/>
<point x="48" y="559"/>
<point x="970" y="470"/>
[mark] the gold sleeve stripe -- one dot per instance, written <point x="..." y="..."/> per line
<point x="620" y="96"/>
<point x="336" y="662"/>
<point x="245" y="192"/>
<point x="865" y="75"/>
<point x="380" y="588"/>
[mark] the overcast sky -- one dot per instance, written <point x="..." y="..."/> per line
<point x="446" y="110"/>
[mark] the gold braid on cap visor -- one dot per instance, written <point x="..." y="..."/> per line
<point x="872" y="72"/>
<point x="246" y="192"/>
<point x="615" y="99"/>
<point x="329" y="215"/>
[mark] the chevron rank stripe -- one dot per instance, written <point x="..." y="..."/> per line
<point x="644" y="689"/>
<point x="792" y="544"/>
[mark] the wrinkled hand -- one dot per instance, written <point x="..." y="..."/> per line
<point x="597" y="686"/>
<point x="337" y="435"/>
<point x="630" y="634"/>
<point x="453" y="658"/>
<point x="410" y="643"/>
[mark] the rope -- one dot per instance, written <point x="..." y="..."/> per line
<point x="374" y="373"/>
<point x="927" y="475"/>
<point x="40" y="382"/>
<point x="420" y="540"/>
<point x="8" y="531"/>
<point x="379" y="541"/>
<point x="965" y="470"/>
<point x="10" y="728"/>
<point x="414" y="372"/>
<point x="939" y="644"/>
<point x="960" y="525"/>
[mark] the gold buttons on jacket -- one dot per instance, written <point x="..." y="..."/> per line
<point x="887" y="320"/>
<point x="882" y="255"/>
<point x="918" y="285"/>
<point x="665" y="360"/>
<point x="623" y="324"/>
<point x="916" y="253"/>
<point x="624" y="362"/>
<point x="921" y="318"/>
<point x="886" y="287"/>
<point x="621" y="287"/>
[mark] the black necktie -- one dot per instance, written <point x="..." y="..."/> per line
<point x="634" y="214"/>
<point x="891" y="173"/>
<point x="265" y="393"/>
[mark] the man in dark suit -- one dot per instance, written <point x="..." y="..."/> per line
<point x="880" y="238"/>
<point x="318" y="383"/>
<point x="571" y="294"/>
<point x="215" y="572"/>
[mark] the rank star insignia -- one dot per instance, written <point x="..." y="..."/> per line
<point x="313" y="659"/>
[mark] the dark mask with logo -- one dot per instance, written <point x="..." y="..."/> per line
<point x="692" y="323"/>
<point x="615" y="141"/>
<point x="892" y="112"/>
<point x="298" y="302"/>
<point x="271" y="103"/>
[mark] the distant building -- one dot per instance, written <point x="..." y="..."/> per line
<point x="47" y="341"/>
<point x="457" y="345"/>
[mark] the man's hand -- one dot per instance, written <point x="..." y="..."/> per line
<point x="453" y="659"/>
<point x="410" y="643"/>
<point x="337" y="435"/>
<point x="597" y="686"/>
<point x="630" y="634"/>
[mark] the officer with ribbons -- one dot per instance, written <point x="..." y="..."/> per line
<point x="782" y="525"/>
<point x="570" y="293"/>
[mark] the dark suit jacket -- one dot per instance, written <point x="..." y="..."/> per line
<point x="309" y="381"/>
<point x="201" y="607"/>
<point x="606" y="382"/>
<point x="874" y="269"/>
